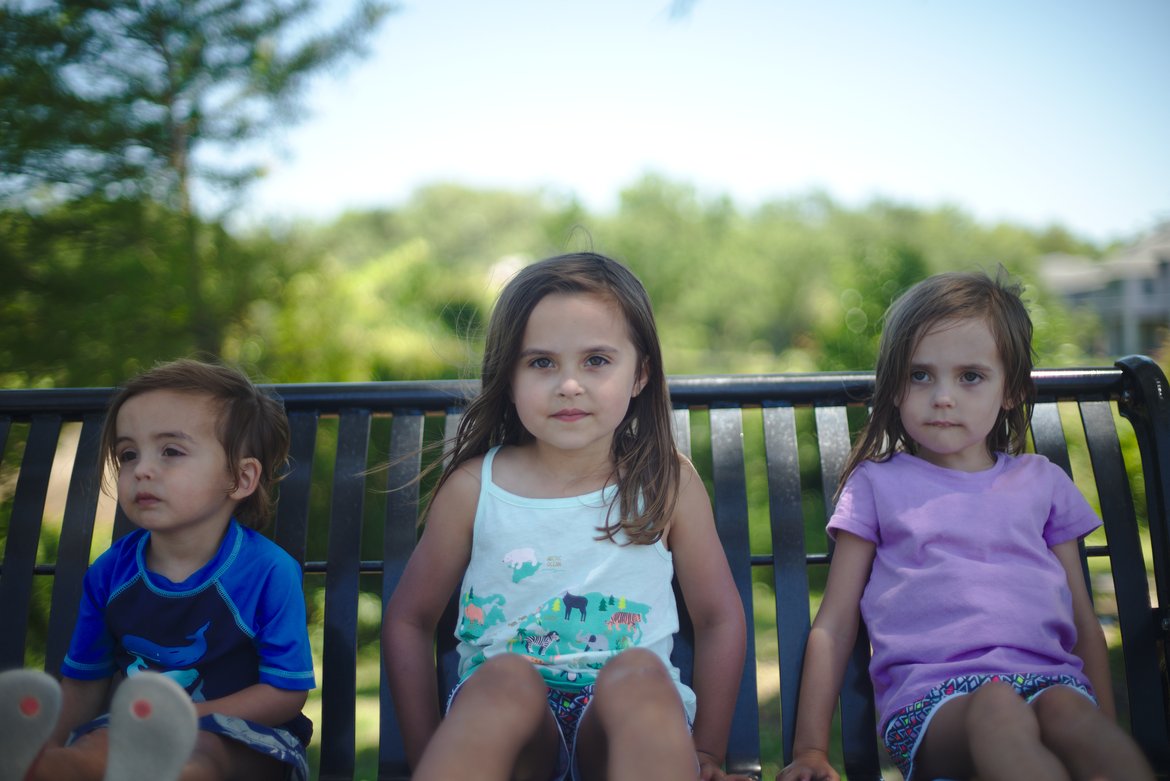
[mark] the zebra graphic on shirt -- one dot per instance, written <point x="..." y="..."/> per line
<point x="538" y="644"/>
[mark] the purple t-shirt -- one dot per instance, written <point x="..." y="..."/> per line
<point x="964" y="580"/>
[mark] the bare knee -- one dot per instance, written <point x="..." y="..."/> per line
<point x="636" y="679"/>
<point x="996" y="705"/>
<point x="503" y="680"/>
<point x="1059" y="704"/>
<point x="1065" y="713"/>
<point x="632" y="667"/>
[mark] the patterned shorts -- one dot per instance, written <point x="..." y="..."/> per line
<point x="566" y="707"/>
<point x="280" y="744"/>
<point x="904" y="730"/>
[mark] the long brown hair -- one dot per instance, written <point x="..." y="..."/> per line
<point x="251" y="424"/>
<point x="943" y="297"/>
<point x="645" y="463"/>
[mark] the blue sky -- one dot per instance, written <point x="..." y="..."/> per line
<point x="1037" y="111"/>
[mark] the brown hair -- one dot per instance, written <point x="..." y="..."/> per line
<point x="645" y="462"/>
<point x="251" y="424"/>
<point x="943" y="297"/>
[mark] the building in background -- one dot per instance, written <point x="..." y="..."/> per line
<point x="1128" y="291"/>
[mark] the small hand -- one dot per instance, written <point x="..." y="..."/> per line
<point x="710" y="769"/>
<point x="811" y="765"/>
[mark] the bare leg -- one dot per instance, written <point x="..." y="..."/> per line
<point x="84" y="760"/>
<point x="1089" y="743"/>
<point x="217" y="758"/>
<point x="636" y="727"/>
<point x="991" y="733"/>
<point x="499" y="727"/>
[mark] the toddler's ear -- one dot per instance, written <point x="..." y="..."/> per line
<point x="247" y="478"/>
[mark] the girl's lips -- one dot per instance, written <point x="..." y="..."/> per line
<point x="570" y="415"/>
<point x="145" y="499"/>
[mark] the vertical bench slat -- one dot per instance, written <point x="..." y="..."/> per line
<point x="292" y="509"/>
<point x="789" y="572"/>
<point x="76" y="540"/>
<point x="731" y="518"/>
<point x="858" y="721"/>
<point x="339" y="684"/>
<point x="1049" y="441"/>
<point x="446" y="653"/>
<point x="399" y="537"/>
<point x="1138" y="627"/>
<point x="1048" y="435"/>
<point x="24" y="532"/>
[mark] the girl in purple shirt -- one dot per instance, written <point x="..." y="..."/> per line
<point x="960" y="553"/>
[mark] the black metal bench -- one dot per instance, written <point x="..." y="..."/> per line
<point x="771" y="447"/>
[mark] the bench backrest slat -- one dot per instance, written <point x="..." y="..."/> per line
<point x="292" y="510"/>
<point x="400" y="534"/>
<point x="731" y="519"/>
<point x="339" y="663"/>
<point x="24" y="531"/>
<point x="789" y="572"/>
<point x="76" y="538"/>
<point x="858" y="744"/>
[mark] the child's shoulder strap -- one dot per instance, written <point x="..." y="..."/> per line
<point x="485" y="472"/>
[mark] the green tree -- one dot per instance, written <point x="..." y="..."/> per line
<point x="131" y="99"/>
<point x="96" y="290"/>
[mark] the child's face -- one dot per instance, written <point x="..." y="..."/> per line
<point x="173" y="475"/>
<point x="576" y="372"/>
<point x="954" y="394"/>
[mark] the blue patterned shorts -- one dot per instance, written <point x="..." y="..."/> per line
<point x="275" y="742"/>
<point x="903" y="732"/>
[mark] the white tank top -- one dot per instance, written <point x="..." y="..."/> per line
<point x="540" y="584"/>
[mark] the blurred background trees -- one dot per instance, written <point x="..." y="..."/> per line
<point x="98" y="288"/>
<point x="112" y="114"/>
<point x="115" y="114"/>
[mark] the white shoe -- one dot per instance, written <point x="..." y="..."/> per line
<point x="30" y="702"/>
<point x="153" y="726"/>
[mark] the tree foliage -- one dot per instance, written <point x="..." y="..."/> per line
<point x="109" y="101"/>
<point x="120" y="98"/>
<point x="99" y="288"/>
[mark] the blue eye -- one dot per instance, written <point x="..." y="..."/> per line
<point x="172" y="451"/>
<point x="971" y="376"/>
<point x="540" y="363"/>
<point x="918" y="375"/>
<point x="596" y="360"/>
<point x="126" y="456"/>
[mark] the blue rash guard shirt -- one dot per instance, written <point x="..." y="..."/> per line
<point x="237" y="621"/>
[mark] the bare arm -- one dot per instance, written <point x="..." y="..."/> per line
<point x="1090" y="645"/>
<point x="408" y="627"/>
<point x="716" y="612"/>
<point x="834" y="631"/>
<point x="261" y="703"/>
<point x="81" y="701"/>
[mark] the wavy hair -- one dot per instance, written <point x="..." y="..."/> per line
<point x="645" y="462"/>
<point x="937" y="299"/>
